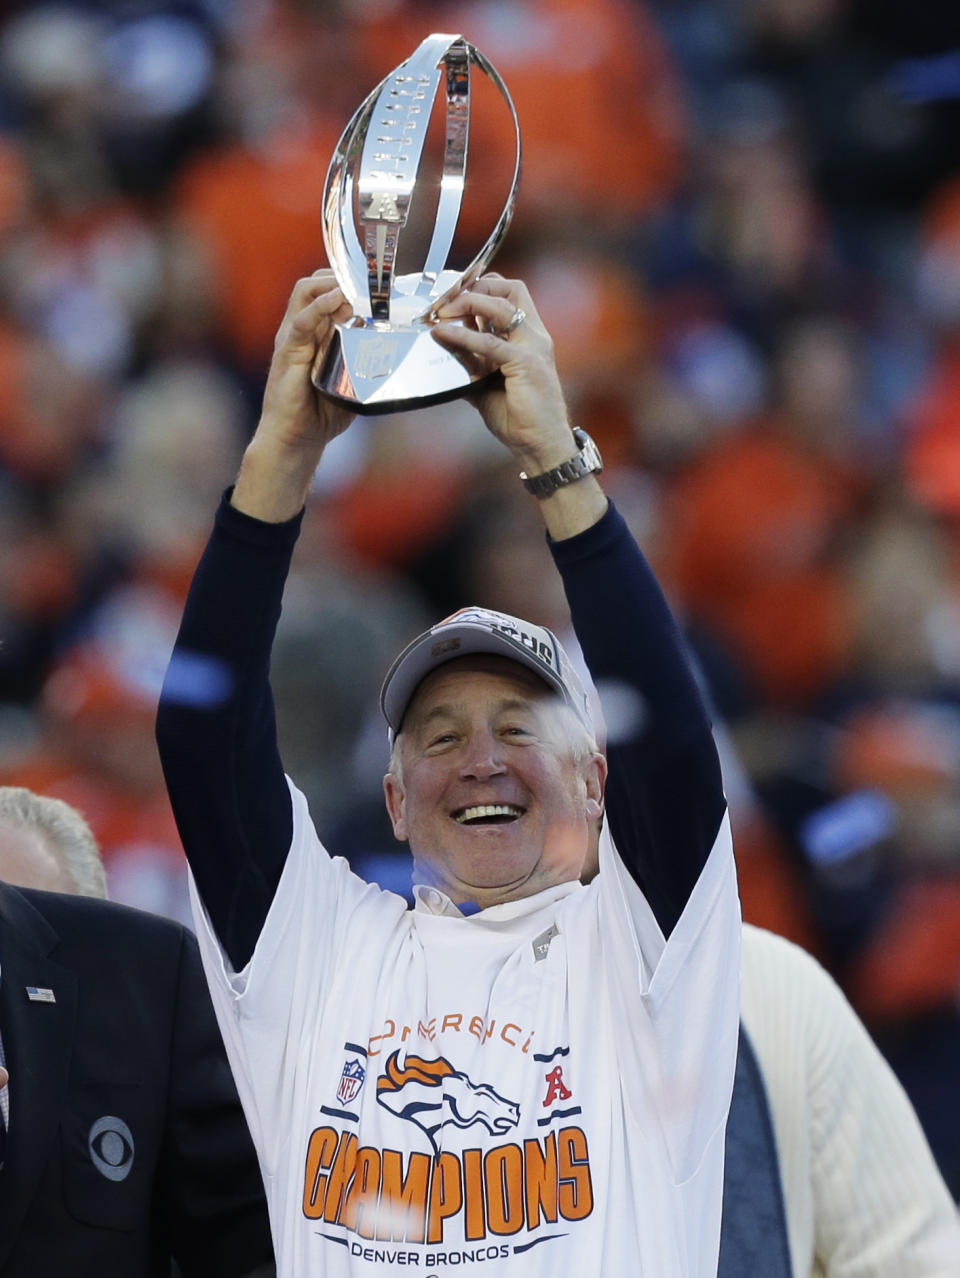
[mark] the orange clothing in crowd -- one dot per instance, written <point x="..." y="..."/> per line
<point x="932" y="452"/>
<point x="257" y="209"/>
<point x="912" y="965"/>
<point x="750" y="531"/>
<point x="48" y="412"/>
<point x="771" y="894"/>
<point x="932" y="455"/>
<point x="97" y="753"/>
<point x="14" y="185"/>
<point x="123" y="822"/>
<point x="601" y="112"/>
<point x="385" y="519"/>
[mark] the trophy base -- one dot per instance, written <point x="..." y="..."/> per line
<point x="391" y="370"/>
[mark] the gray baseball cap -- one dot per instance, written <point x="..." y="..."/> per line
<point x="480" y="630"/>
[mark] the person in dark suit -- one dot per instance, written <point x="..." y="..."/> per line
<point x="125" y="1151"/>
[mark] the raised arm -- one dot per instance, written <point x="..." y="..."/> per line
<point x="664" y="793"/>
<point x="215" y="728"/>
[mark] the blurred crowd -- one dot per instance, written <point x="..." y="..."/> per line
<point x="740" y="220"/>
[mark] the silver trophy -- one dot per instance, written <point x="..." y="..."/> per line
<point x="384" y="360"/>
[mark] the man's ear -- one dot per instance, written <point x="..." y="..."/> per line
<point x="396" y="801"/>
<point x="595" y="779"/>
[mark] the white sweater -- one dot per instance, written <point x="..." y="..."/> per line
<point x="863" y="1195"/>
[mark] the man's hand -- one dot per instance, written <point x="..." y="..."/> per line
<point x="527" y="413"/>
<point x="292" y="409"/>
<point x="296" y="423"/>
<point x="4" y="1077"/>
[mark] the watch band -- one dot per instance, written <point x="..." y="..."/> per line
<point x="585" y="462"/>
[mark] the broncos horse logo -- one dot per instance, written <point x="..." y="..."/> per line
<point x="433" y="1094"/>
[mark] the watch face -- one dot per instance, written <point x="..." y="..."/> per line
<point x="591" y="453"/>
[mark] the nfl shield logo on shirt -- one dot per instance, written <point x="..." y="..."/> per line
<point x="351" y="1080"/>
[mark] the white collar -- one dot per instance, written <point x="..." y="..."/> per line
<point x="430" y="900"/>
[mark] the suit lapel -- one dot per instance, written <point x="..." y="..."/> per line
<point x="37" y="1040"/>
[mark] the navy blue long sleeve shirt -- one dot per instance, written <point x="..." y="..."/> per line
<point x="217" y="732"/>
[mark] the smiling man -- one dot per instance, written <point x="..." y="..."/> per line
<point x="491" y="774"/>
<point x="522" y="1075"/>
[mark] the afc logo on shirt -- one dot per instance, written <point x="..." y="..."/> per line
<point x="556" y="1088"/>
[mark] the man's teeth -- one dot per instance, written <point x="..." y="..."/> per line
<point x="484" y="811"/>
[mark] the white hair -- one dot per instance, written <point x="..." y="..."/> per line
<point x="64" y="832"/>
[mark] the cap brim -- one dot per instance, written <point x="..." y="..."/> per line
<point x="447" y="643"/>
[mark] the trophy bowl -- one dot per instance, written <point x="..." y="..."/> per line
<point x="384" y="359"/>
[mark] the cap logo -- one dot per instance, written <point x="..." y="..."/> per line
<point x="542" y="651"/>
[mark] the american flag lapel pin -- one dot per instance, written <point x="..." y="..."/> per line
<point x="37" y="995"/>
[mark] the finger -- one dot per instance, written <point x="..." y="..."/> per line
<point x="311" y="327"/>
<point x="496" y="286"/>
<point x="514" y="291"/>
<point x="329" y="307"/>
<point x="487" y="345"/>
<point x="309" y="287"/>
<point x="495" y="311"/>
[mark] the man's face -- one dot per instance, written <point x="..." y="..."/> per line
<point x="490" y="795"/>
<point x="26" y="861"/>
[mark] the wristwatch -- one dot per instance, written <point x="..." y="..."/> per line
<point x="585" y="462"/>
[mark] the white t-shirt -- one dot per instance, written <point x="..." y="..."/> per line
<point x="540" y="1088"/>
